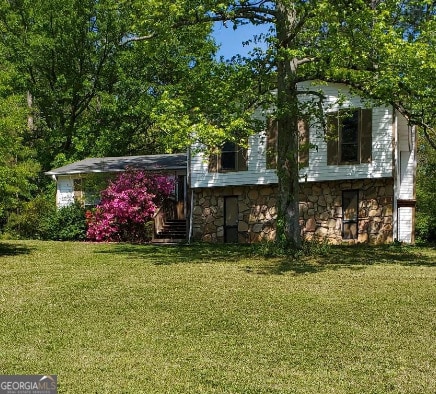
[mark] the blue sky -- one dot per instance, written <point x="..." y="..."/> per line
<point x="231" y="40"/>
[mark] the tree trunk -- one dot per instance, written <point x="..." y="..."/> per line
<point x="30" y="121"/>
<point x="287" y="117"/>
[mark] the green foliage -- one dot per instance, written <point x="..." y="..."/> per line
<point x="425" y="226"/>
<point x="31" y="221"/>
<point x="216" y="105"/>
<point x="66" y="224"/>
<point x="40" y="219"/>
<point x="426" y="193"/>
<point x="18" y="168"/>
<point x="280" y="248"/>
<point x="95" y="71"/>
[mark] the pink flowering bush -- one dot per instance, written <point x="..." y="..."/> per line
<point x="126" y="205"/>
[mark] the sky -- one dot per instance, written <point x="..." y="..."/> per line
<point x="231" y="40"/>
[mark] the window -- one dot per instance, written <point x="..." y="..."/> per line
<point x="349" y="137"/>
<point x="350" y="214"/>
<point x="272" y="139"/>
<point x="87" y="190"/>
<point x="231" y="157"/>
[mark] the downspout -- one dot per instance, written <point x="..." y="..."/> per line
<point x="395" y="173"/>
<point x="190" y="217"/>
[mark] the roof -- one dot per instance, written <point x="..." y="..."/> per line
<point x="176" y="161"/>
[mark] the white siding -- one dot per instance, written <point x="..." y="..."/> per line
<point x="405" y="179"/>
<point x="406" y="156"/>
<point x="405" y="224"/>
<point x="381" y="164"/>
<point x="64" y="192"/>
<point x="318" y="170"/>
<point x="257" y="174"/>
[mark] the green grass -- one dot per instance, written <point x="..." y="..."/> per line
<point x="206" y="319"/>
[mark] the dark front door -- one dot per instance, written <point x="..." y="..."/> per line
<point x="231" y="219"/>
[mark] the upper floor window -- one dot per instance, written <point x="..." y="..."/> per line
<point x="349" y="137"/>
<point x="231" y="157"/>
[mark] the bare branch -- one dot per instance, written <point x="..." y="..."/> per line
<point x="140" y="38"/>
<point x="255" y="12"/>
<point x="320" y="95"/>
<point x="299" y="62"/>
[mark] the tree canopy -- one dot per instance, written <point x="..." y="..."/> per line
<point x="94" y="87"/>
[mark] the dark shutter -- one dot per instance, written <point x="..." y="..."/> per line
<point x="366" y="136"/>
<point x="271" y="143"/>
<point x="303" y="143"/>
<point x="213" y="162"/>
<point x="332" y="137"/>
<point x="242" y="159"/>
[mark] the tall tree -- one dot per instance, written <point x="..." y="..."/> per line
<point x="383" y="49"/>
<point x="18" y="165"/>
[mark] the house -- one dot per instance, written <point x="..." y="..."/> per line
<point x="357" y="183"/>
<point x="83" y="180"/>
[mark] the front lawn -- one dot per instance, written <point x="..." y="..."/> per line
<point x="110" y="318"/>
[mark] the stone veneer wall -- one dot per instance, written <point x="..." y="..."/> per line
<point x="320" y="211"/>
<point x="256" y="207"/>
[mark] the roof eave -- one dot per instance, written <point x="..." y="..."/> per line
<point x="51" y="173"/>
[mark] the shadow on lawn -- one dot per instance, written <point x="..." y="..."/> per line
<point x="354" y="257"/>
<point x="182" y="253"/>
<point x="7" y="249"/>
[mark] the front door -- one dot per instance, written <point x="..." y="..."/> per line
<point x="231" y="219"/>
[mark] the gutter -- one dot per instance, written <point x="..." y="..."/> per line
<point x="395" y="174"/>
<point x="191" y="207"/>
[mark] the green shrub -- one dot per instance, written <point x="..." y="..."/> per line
<point x="65" y="224"/>
<point x="29" y="222"/>
<point x="39" y="219"/>
<point x="314" y="247"/>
